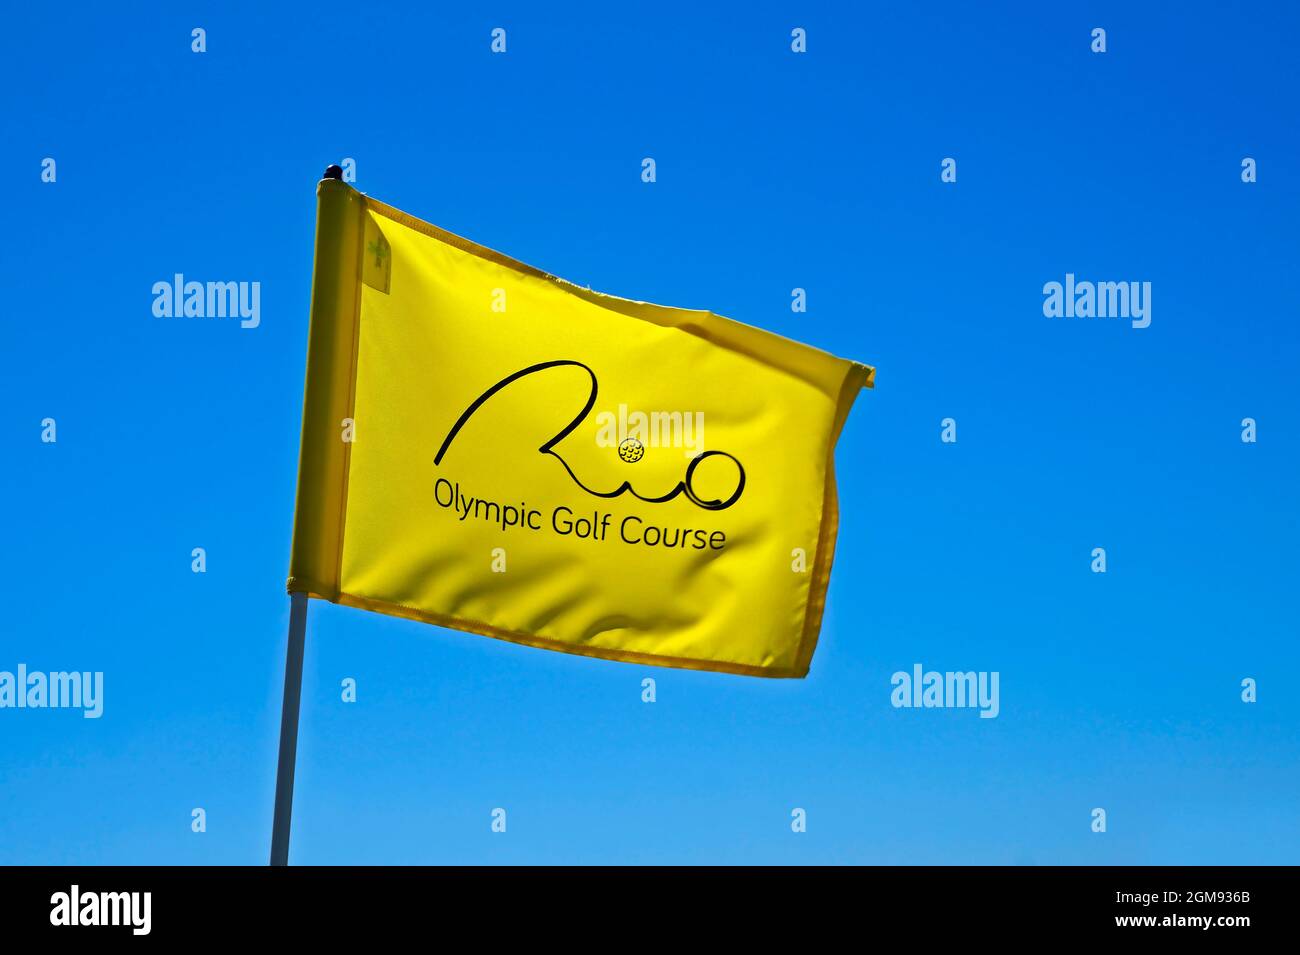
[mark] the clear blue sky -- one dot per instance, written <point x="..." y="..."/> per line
<point x="775" y="171"/>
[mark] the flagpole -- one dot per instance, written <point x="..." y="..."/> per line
<point x="297" y="642"/>
<point x="289" y="728"/>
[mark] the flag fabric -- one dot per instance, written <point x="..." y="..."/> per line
<point x="492" y="449"/>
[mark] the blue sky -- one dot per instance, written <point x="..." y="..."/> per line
<point x="775" y="170"/>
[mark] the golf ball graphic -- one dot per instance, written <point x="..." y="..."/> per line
<point x="631" y="450"/>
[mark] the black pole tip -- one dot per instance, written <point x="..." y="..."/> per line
<point x="334" y="172"/>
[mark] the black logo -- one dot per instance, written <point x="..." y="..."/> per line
<point x="684" y="486"/>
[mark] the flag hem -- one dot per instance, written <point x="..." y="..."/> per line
<point x="481" y="629"/>
<point x="324" y="461"/>
<point x="858" y="377"/>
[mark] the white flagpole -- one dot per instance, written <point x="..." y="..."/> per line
<point x="289" y="728"/>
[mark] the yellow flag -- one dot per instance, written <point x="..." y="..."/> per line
<point x="493" y="449"/>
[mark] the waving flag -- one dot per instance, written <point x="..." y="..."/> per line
<point x="490" y="448"/>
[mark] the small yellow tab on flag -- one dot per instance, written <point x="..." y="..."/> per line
<point x="375" y="257"/>
<point x="534" y="461"/>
